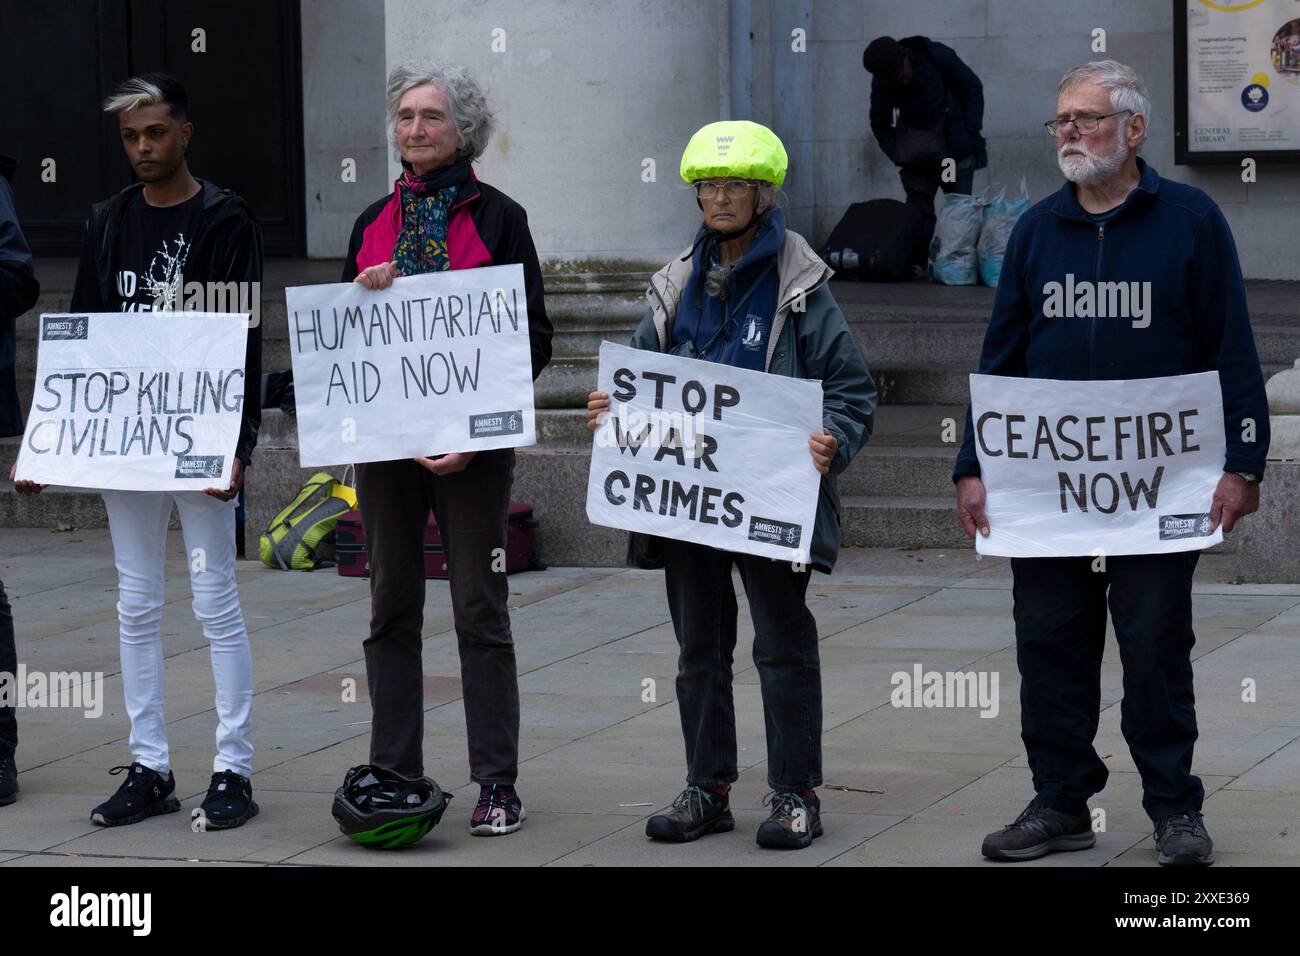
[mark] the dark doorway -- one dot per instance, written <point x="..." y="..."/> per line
<point x="60" y="60"/>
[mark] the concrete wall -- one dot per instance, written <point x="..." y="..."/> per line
<point x="1020" y="48"/>
<point x="587" y="91"/>
<point x="343" y="116"/>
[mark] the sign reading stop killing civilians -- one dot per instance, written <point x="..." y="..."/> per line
<point x="136" y="401"/>
<point x="434" y="364"/>
<point x="1104" y="467"/>
<point x="703" y="452"/>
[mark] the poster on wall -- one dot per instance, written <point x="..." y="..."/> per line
<point x="1236" y="81"/>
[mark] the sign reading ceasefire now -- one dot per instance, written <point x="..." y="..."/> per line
<point x="1112" y="467"/>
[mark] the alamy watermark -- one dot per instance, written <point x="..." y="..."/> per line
<point x="75" y="690"/>
<point x="946" y="689"/>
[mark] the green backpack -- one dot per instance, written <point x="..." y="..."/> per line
<point x="302" y="535"/>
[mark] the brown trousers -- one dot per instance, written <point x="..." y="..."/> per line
<point x="471" y="508"/>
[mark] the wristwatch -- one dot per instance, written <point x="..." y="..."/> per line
<point x="1245" y="475"/>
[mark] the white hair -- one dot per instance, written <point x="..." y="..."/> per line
<point x="1127" y="91"/>
<point x="133" y="94"/>
<point x="470" y="114"/>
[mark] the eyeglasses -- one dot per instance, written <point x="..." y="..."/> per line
<point x="734" y="188"/>
<point x="1084" y="124"/>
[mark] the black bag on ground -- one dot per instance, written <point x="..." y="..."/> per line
<point x="873" y="241"/>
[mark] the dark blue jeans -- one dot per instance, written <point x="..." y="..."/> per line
<point x="8" y="665"/>
<point x="703" y="605"/>
<point x="1060" y="613"/>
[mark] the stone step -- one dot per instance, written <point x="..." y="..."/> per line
<point x="554" y="481"/>
<point x="936" y="329"/>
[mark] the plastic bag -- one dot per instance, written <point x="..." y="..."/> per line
<point x="1000" y="215"/>
<point x="953" y="259"/>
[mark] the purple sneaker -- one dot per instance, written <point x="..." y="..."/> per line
<point x="499" y="811"/>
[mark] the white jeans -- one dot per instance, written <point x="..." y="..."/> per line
<point x="138" y="522"/>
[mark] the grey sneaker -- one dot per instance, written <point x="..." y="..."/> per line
<point x="695" y="812"/>
<point x="1182" y="840"/>
<point x="1038" y="831"/>
<point x="794" y="822"/>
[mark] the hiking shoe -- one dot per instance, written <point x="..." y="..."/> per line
<point x="795" y="820"/>
<point x="1038" y="831"/>
<point x="229" y="803"/>
<point x="142" y="794"/>
<point x="499" y="811"/>
<point x="695" y="812"/>
<point x="8" y="778"/>
<point x="1182" y="840"/>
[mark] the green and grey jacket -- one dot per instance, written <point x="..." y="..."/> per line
<point x="810" y="339"/>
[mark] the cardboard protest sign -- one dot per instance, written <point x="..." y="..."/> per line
<point x="1104" y="467"/>
<point x="137" y="402"/>
<point x="433" y="364"/>
<point x="704" y="452"/>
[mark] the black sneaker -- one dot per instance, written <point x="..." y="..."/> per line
<point x="695" y="812"/>
<point x="499" y="811"/>
<point x="144" y="793"/>
<point x="1038" y="831"/>
<point x="1182" y="840"/>
<point x="229" y="803"/>
<point x="795" y="820"/>
<point x="8" y="778"/>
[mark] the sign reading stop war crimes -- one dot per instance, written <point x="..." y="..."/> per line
<point x="434" y="364"/>
<point x="1105" y="467"/>
<point x="131" y="402"/>
<point x="703" y="452"/>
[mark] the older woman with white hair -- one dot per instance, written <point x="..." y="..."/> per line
<point x="439" y="217"/>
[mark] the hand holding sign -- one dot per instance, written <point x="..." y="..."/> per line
<point x="597" y="405"/>
<point x="236" y="483"/>
<point x="970" y="506"/>
<point x="24" y="487"/>
<point x="378" y="277"/>
<point x="823" y="448"/>
<point x="448" y="464"/>
<point x="1234" y="498"/>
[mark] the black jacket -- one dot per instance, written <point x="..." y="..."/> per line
<point x="227" y="247"/>
<point x="500" y="228"/>
<point x="18" y="293"/>
<point x="1166" y="233"/>
<point x="939" y="76"/>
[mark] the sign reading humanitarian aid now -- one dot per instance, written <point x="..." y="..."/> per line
<point x="703" y="452"/>
<point x="434" y="364"/>
<point x="1108" y="467"/>
<point x="136" y="402"/>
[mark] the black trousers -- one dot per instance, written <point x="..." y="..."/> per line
<point x="471" y="508"/>
<point x="1060" y="614"/>
<point x="8" y="665"/>
<point x="703" y="606"/>
<point x="920" y="184"/>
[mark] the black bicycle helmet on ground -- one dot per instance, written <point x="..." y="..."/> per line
<point x="382" y="808"/>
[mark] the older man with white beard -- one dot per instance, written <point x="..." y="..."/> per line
<point x="1116" y="219"/>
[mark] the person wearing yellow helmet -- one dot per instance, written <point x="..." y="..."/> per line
<point x="751" y="293"/>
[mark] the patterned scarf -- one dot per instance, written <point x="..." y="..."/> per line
<point x="426" y="203"/>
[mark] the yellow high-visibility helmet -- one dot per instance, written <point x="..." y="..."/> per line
<point x="736" y="148"/>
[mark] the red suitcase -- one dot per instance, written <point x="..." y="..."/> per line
<point x="521" y="545"/>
